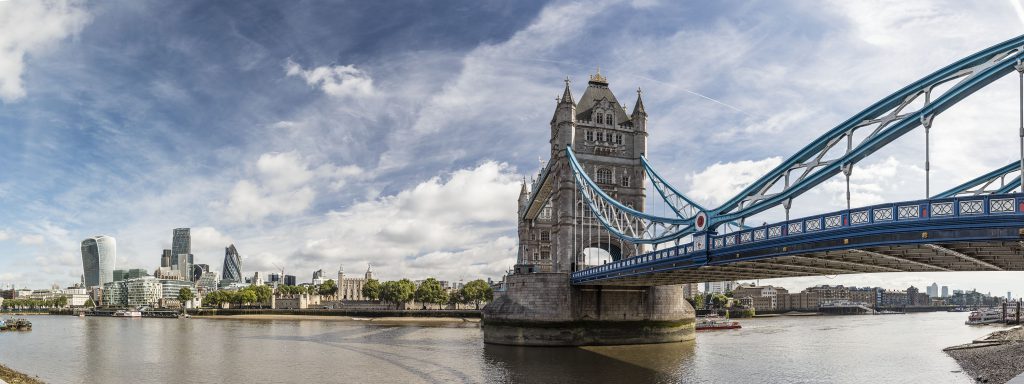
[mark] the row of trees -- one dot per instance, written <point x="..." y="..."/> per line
<point x="429" y="292"/>
<point x="57" y="302"/>
<point x="251" y="295"/>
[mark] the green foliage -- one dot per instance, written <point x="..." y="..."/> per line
<point x="397" y="292"/>
<point x="89" y="303"/>
<point x="185" y="294"/>
<point x="719" y="300"/>
<point x="697" y="301"/>
<point x="328" y="288"/>
<point x="61" y="301"/>
<point x="477" y="291"/>
<point x="372" y="289"/>
<point x="251" y="295"/>
<point x="431" y="292"/>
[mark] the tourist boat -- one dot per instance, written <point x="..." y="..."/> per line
<point x="713" y="323"/>
<point x="123" y="313"/>
<point x="985" y="316"/>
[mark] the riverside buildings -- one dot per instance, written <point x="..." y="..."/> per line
<point x="99" y="254"/>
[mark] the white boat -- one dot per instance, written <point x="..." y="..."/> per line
<point x="123" y="313"/>
<point x="985" y="316"/>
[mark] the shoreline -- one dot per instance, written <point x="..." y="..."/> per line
<point x="357" y="319"/>
<point x="14" y="377"/>
<point x="995" y="358"/>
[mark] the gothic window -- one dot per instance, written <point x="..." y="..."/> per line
<point x="590" y="135"/>
<point x="600" y="136"/>
<point x="610" y="120"/>
<point x="533" y="236"/>
<point x="625" y="180"/>
<point x="545" y="236"/>
<point x="618" y="139"/>
<point x="600" y="118"/>
<point x="545" y="214"/>
<point x="604" y="176"/>
<point x="545" y="255"/>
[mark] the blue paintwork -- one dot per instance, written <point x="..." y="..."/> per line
<point x="719" y="250"/>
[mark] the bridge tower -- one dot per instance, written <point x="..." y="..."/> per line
<point x="557" y="233"/>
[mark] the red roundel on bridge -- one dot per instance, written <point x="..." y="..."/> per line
<point x="701" y="221"/>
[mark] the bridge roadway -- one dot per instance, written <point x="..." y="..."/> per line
<point x="976" y="233"/>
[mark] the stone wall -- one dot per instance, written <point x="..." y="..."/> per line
<point x="544" y="309"/>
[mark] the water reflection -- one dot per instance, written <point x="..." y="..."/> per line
<point x="657" y="363"/>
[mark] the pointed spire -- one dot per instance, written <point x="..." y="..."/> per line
<point x="638" y="109"/>
<point x="567" y="95"/>
<point x="522" y="190"/>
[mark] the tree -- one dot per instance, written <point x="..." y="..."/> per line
<point x="719" y="300"/>
<point x="61" y="301"/>
<point x="185" y="294"/>
<point x="697" y="301"/>
<point x="247" y="296"/>
<point x="397" y="292"/>
<point x="89" y="303"/>
<point x="430" y="291"/>
<point x="477" y="291"/>
<point x="328" y="288"/>
<point x="372" y="289"/>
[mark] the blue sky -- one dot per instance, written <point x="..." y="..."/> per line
<point x="316" y="134"/>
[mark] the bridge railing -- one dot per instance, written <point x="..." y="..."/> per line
<point x="904" y="211"/>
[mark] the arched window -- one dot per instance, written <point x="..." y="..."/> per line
<point x="604" y="176"/>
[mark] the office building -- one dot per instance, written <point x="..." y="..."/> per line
<point x="99" y="255"/>
<point x="945" y="291"/>
<point x="125" y="274"/>
<point x="720" y="286"/>
<point x="171" y="288"/>
<point x="198" y="270"/>
<point x="232" y="265"/>
<point x="933" y="290"/>
<point x="273" y="278"/>
<point x="165" y="259"/>
<point x="181" y="252"/>
<point x="143" y="291"/>
<point x="289" y="280"/>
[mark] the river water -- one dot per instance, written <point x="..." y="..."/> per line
<point x="819" y="349"/>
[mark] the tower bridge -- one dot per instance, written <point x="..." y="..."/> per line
<point x="589" y="199"/>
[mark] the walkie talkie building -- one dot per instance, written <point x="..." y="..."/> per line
<point x="99" y="254"/>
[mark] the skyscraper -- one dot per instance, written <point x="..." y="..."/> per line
<point x="165" y="259"/>
<point x="232" y="264"/>
<point x="945" y="291"/>
<point x="99" y="255"/>
<point x="198" y="270"/>
<point x="933" y="290"/>
<point x="181" y="252"/>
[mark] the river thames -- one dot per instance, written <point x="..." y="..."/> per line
<point x="818" y="349"/>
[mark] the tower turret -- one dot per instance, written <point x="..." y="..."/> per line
<point x="639" y="119"/>
<point x="563" y="123"/>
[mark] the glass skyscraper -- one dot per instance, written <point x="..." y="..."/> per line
<point x="232" y="264"/>
<point x="181" y="252"/>
<point x="99" y="254"/>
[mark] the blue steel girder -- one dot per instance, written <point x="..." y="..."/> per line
<point x="885" y="121"/>
<point x="622" y="221"/>
<point x="683" y="207"/>
<point x="998" y="181"/>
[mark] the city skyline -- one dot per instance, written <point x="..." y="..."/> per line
<point x="310" y="148"/>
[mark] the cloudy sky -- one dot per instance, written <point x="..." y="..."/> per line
<point x="316" y="134"/>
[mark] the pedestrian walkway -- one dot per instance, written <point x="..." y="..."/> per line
<point x="1017" y="380"/>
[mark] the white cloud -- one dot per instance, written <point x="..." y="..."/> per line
<point x="462" y="220"/>
<point x="4" y="235"/>
<point x="334" y="80"/>
<point x="722" y="181"/>
<point x="33" y="239"/>
<point x="30" y="28"/>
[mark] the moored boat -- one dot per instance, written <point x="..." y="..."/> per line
<point x="714" y="323"/>
<point x="123" y="313"/>
<point x="984" y="316"/>
<point x="15" y="325"/>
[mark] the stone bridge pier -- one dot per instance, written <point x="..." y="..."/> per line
<point x="544" y="309"/>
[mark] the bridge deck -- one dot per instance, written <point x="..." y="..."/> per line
<point x="954" y="234"/>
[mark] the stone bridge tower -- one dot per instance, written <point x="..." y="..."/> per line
<point x="539" y="306"/>
<point x="608" y="142"/>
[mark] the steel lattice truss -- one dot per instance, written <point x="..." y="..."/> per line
<point x="622" y="221"/>
<point x="1003" y="180"/>
<point x="836" y="151"/>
